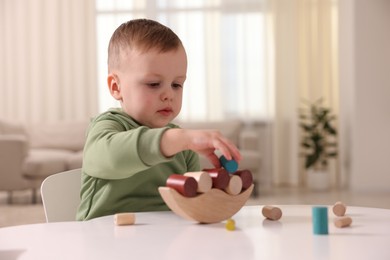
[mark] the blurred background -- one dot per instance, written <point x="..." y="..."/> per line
<point x="257" y="61"/>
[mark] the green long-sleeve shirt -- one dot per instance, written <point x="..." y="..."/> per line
<point x="123" y="166"/>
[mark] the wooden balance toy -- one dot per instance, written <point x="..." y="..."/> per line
<point x="213" y="205"/>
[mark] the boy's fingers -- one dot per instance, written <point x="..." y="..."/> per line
<point x="223" y="148"/>
<point x="237" y="155"/>
<point x="229" y="150"/>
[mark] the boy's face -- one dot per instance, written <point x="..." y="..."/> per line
<point x="149" y="85"/>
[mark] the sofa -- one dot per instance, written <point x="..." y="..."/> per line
<point x="45" y="149"/>
<point x="56" y="147"/>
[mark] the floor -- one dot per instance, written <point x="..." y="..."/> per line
<point x="21" y="211"/>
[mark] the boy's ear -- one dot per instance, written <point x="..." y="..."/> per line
<point x="114" y="86"/>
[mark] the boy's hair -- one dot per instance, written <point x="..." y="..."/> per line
<point x="143" y="35"/>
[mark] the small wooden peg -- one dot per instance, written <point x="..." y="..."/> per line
<point x="343" y="222"/>
<point x="339" y="209"/>
<point x="121" y="219"/>
<point x="272" y="213"/>
<point x="235" y="185"/>
<point x="204" y="180"/>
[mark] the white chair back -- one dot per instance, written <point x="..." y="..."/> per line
<point x="61" y="195"/>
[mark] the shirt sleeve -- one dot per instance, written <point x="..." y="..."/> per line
<point x="192" y="159"/>
<point x="114" y="152"/>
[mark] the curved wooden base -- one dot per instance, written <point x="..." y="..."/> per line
<point x="210" y="207"/>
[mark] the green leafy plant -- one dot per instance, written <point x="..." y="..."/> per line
<point x="318" y="134"/>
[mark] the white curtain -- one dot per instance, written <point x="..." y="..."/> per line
<point x="304" y="66"/>
<point x="47" y="60"/>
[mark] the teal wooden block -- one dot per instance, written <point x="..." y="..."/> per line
<point x="230" y="165"/>
<point x="320" y="220"/>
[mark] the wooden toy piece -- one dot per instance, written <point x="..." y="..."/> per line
<point x="343" y="222"/>
<point x="246" y="177"/>
<point x="187" y="186"/>
<point x="219" y="176"/>
<point x="230" y="224"/>
<point x="203" y="178"/>
<point x="235" y="185"/>
<point x="271" y="212"/>
<point x="230" y="165"/>
<point x="211" y="207"/>
<point x="320" y="220"/>
<point x="121" y="219"/>
<point x="339" y="209"/>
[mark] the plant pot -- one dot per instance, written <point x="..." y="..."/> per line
<point x="318" y="180"/>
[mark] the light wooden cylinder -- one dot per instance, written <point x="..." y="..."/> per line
<point x="272" y="213"/>
<point x="121" y="219"/>
<point x="235" y="185"/>
<point x="343" y="222"/>
<point x="204" y="180"/>
<point x="339" y="209"/>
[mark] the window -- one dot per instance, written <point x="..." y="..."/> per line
<point x="224" y="40"/>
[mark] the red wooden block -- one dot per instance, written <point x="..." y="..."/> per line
<point x="220" y="177"/>
<point x="186" y="186"/>
<point x="246" y="177"/>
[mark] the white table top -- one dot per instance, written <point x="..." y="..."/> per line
<point x="163" y="235"/>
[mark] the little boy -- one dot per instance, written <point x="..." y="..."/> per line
<point x="132" y="150"/>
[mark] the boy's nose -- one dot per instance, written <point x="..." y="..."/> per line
<point x="167" y="93"/>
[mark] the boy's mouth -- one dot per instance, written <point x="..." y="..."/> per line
<point x="165" y="111"/>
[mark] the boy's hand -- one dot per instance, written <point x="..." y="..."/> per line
<point x="204" y="142"/>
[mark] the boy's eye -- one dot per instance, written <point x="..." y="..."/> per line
<point x="176" y="85"/>
<point x="153" y="84"/>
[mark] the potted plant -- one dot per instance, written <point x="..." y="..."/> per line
<point x="318" y="142"/>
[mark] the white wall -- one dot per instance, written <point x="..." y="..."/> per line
<point x="365" y="93"/>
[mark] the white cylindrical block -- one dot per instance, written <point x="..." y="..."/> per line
<point x="235" y="185"/>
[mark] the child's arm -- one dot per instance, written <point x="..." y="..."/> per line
<point x="204" y="142"/>
<point x="113" y="152"/>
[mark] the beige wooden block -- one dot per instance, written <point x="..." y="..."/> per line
<point x="339" y="209"/>
<point x="121" y="219"/>
<point x="203" y="178"/>
<point x="271" y="212"/>
<point x="235" y="185"/>
<point x="343" y="222"/>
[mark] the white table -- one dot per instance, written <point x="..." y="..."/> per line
<point x="163" y="235"/>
